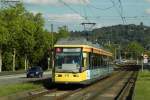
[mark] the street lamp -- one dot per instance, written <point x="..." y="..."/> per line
<point x="52" y="43"/>
<point x="117" y="51"/>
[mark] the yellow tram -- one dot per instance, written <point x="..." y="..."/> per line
<point x="79" y="61"/>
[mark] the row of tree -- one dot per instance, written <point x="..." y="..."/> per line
<point x="23" y="40"/>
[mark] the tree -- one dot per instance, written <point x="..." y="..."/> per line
<point x="135" y="48"/>
<point x="63" y="32"/>
<point x="22" y="35"/>
<point x="4" y="35"/>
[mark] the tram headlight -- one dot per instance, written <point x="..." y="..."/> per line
<point x="58" y="75"/>
<point x="76" y="75"/>
<point x="36" y="72"/>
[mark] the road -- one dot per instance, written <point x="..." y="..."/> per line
<point x="20" y="78"/>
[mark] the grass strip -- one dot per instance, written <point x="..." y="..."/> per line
<point x="11" y="89"/>
<point x="142" y="87"/>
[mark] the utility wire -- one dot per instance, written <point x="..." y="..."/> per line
<point x="121" y="7"/>
<point x="107" y="8"/>
<point x="85" y="13"/>
<point x="120" y="13"/>
<point x="67" y="5"/>
<point x="84" y="16"/>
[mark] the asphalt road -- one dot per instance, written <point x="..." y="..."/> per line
<point x="20" y="78"/>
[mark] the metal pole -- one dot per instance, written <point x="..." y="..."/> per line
<point x="52" y="45"/>
<point x="115" y="53"/>
<point x="52" y="33"/>
<point x="120" y="53"/>
<point x="142" y="62"/>
<point x="142" y="65"/>
<point x="25" y="64"/>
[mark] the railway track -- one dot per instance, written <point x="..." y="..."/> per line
<point x="99" y="91"/>
<point x="37" y="94"/>
<point x="116" y="87"/>
<point x="128" y="89"/>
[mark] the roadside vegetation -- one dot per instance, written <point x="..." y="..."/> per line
<point x="142" y="90"/>
<point x="15" y="88"/>
<point x="23" y="39"/>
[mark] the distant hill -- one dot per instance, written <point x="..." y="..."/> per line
<point x="119" y="34"/>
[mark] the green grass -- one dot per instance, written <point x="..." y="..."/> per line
<point x="10" y="89"/>
<point x="142" y="88"/>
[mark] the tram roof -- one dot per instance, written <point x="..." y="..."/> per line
<point x="76" y="41"/>
<point x="79" y="42"/>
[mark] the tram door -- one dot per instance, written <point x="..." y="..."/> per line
<point x="85" y="60"/>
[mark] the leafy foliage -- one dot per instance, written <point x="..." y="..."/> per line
<point x="23" y="31"/>
<point x="135" y="48"/>
<point x="63" y="32"/>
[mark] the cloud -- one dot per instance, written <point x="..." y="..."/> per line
<point x="56" y="2"/>
<point x="65" y="18"/>
<point x="43" y="2"/>
<point x="34" y="12"/>
<point x="77" y="1"/>
<point x="147" y="0"/>
<point x="98" y="25"/>
<point x="147" y="11"/>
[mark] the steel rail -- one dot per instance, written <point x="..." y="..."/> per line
<point x="126" y="92"/>
<point x="35" y="94"/>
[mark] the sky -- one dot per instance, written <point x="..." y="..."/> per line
<point x="102" y="12"/>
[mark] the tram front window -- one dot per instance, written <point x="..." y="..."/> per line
<point x="68" y="61"/>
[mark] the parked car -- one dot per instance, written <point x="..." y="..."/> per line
<point x="35" y="71"/>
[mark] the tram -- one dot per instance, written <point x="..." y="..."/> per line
<point x="79" y="61"/>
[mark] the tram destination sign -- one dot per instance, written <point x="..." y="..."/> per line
<point x="71" y="49"/>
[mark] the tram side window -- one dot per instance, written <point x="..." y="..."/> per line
<point x="98" y="61"/>
<point x="95" y="61"/>
<point x="109" y="61"/>
<point x="103" y="61"/>
<point x="87" y="61"/>
<point x="90" y="60"/>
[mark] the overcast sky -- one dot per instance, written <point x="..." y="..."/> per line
<point x="103" y="12"/>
